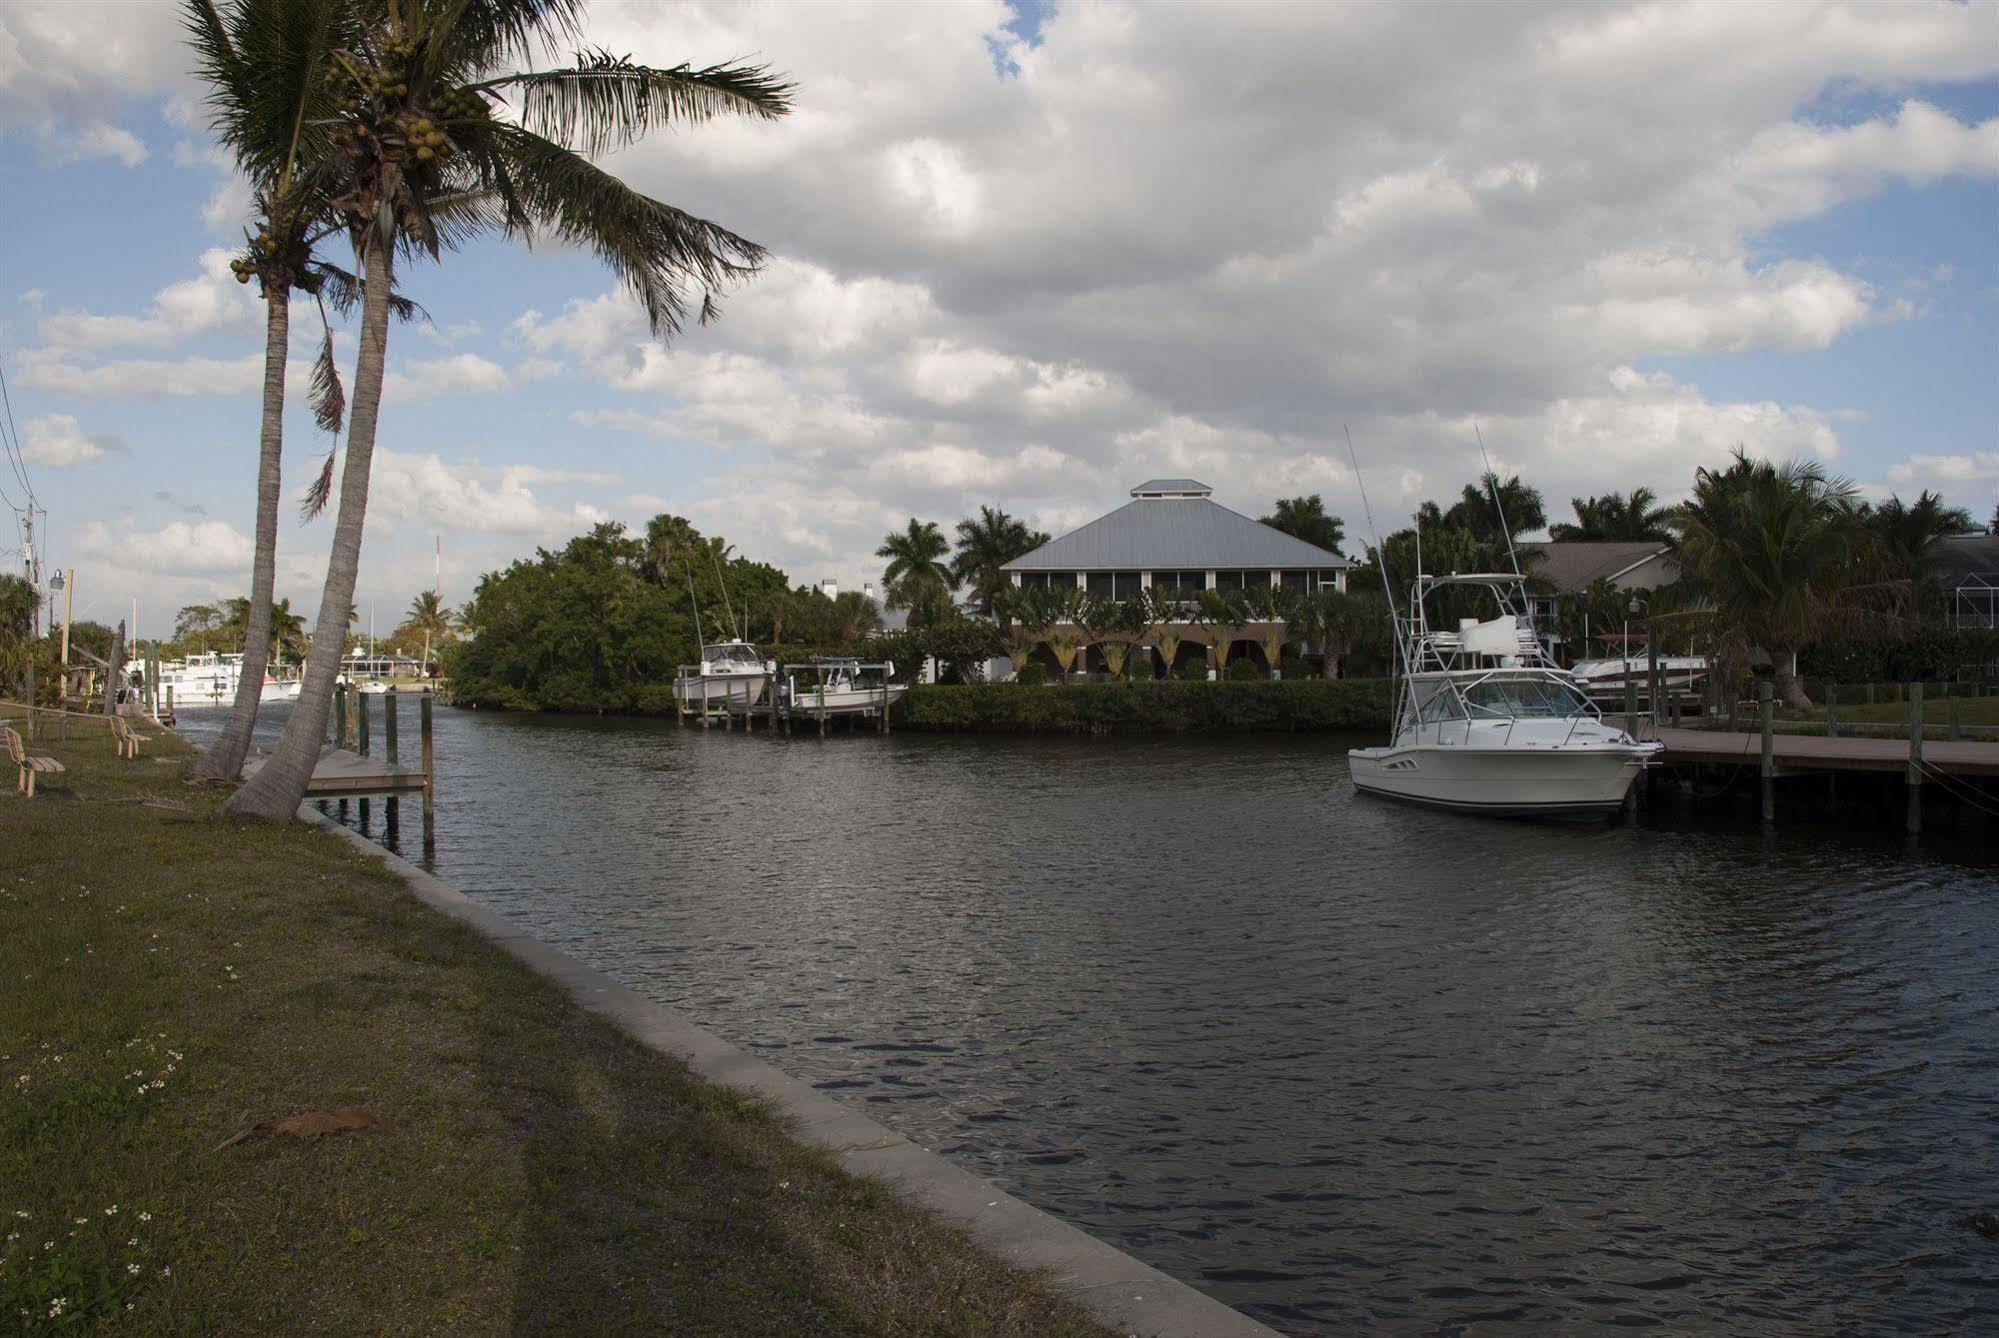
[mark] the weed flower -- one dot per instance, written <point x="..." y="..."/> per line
<point x="56" y="1307"/>
<point x="143" y="1217"/>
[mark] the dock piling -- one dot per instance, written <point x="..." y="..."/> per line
<point x="361" y="722"/>
<point x="1766" y="711"/>
<point x="1832" y="710"/>
<point x="1954" y="725"/>
<point x="1915" y="758"/>
<point x="340" y="715"/>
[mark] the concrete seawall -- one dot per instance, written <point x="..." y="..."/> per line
<point x="1123" y="1292"/>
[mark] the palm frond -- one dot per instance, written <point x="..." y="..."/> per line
<point x="656" y="249"/>
<point x="343" y="290"/>
<point x="329" y="400"/>
<point x="490" y="34"/>
<point x="321" y="491"/>
<point x="606" y="101"/>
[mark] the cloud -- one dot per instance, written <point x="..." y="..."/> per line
<point x="460" y="374"/>
<point x="427" y="490"/>
<point x="212" y="303"/>
<point x="57" y="442"/>
<point x="143" y="378"/>
<point x="178" y="549"/>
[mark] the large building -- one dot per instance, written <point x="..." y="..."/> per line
<point x="1174" y="535"/>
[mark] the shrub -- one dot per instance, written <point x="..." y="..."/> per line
<point x="1293" y="667"/>
<point x="1031" y="675"/>
<point x="1150" y="708"/>
<point x="1193" y="671"/>
<point x="1244" y="671"/>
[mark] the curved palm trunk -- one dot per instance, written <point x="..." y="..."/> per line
<point x="224" y="757"/>
<point x="1790" y="688"/>
<point x="278" y="788"/>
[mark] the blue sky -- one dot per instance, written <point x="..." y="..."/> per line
<point x="1032" y="256"/>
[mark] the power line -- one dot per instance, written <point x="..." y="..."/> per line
<point x="12" y="438"/>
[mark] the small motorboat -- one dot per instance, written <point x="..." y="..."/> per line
<point x="1604" y="679"/>
<point x="842" y="687"/>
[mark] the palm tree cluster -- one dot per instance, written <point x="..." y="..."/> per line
<point x="1614" y="517"/>
<point x="405" y="127"/>
<point x="923" y="575"/>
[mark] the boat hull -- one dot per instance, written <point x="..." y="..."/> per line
<point x="844" y="699"/>
<point x="719" y="692"/>
<point x="1583" y="781"/>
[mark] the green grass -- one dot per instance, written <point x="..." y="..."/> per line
<point x="1936" y="711"/>
<point x="169" y="978"/>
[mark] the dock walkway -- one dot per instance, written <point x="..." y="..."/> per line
<point x="1808" y="754"/>
<point x="347" y="775"/>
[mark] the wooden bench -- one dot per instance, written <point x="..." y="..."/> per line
<point x="126" y="738"/>
<point x="30" y="767"/>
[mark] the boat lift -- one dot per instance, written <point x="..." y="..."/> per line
<point x="820" y="690"/>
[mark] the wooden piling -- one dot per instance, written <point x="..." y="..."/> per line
<point x="340" y="715"/>
<point x="1953" y="726"/>
<point x="1915" y="758"/>
<point x="361" y="723"/>
<point x="1832" y="710"/>
<point x="1630" y="700"/>
<point x="34" y="731"/>
<point x="1766" y="711"/>
<point x="429" y="759"/>
<point x="389" y="726"/>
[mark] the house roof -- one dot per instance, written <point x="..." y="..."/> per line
<point x="1169" y="533"/>
<point x="1183" y="487"/>
<point x="1955" y="557"/>
<point x="1574" y="567"/>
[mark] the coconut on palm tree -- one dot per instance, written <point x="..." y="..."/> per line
<point x="1772" y="549"/>
<point x="415" y="135"/>
<point x="987" y="543"/>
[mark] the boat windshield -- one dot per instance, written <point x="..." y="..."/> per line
<point x="723" y="658"/>
<point x="1522" y="698"/>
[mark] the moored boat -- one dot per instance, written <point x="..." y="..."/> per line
<point x="730" y="676"/>
<point x="1486" y="724"/>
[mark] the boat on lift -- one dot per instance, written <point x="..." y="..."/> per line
<point x="730" y="676"/>
<point x="1486" y="723"/>
<point x="843" y="686"/>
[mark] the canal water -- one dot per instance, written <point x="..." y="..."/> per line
<point x="1338" y="1062"/>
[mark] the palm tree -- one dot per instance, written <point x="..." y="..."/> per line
<point x="1305" y="518"/>
<point x="1275" y="607"/>
<point x="197" y="622"/>
<point x="1614" y="518"/>
<point x="1224" y="613"/>
<point x="1475" y="513"/>
<point x="917" y="574"/>
<point x="986" y="544"/>
<point x="432" y="617"/>
<point x="1903" y="532"/>
<point x="413" y="139"/>
<point x="287" y="631"/>
<point x="1771" y="548"/>
<point x="1166" y="614"/>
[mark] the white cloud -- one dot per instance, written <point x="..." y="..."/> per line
<point x="179" y="548"/>
<point x="435" y="494"/>
<point x="460" y="374"/>
<point x="211" y="303"/>
<point x="58" y="442"/>
<point x="142" y="378"/>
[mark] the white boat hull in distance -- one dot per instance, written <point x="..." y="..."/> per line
<point x="845" y="699"/>
<point x="719" y="691"/>
<point x="1574" y="781"/>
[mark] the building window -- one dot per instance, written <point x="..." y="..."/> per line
<point x="1297" y="582"/>
<point x="1034" y="580"/>
<point x="1118" y="585"/>
<point x="1242" y="580"/>
<point x="1186" y="585"/>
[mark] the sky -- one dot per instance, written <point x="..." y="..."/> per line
<point x="1031" y="255"/>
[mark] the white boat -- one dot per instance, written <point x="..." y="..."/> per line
<point x="841" y="687"/>
<point x="210" y="679"/>
<point x="729" y="676"/>
<point x="1486" y="724"/>
<point x="1604" y="679"/>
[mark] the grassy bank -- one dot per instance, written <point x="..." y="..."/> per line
<point x="172" y="980"/>
<point x="1160" y="706"/>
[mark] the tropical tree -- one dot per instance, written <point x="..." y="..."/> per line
<point x="987" y="543"/>
<point x="431" y="617"/>
<point x="1475" y="513"/>
<point x="1614" y="517"/>
<point x="1903" y="532"/>
<point x="1305" y="518"/>
<point x="266" y="64"/>
<point x="1113" y="625"/>
<point x="1166" y="618"/>
<point x="1274" y="608"/>
<point x="1049" y="614"/>
<point x="413" y="138"/>
<point x="1223" y="613"/>
<point x="17" y="619"/>
<point x="1771" y="548"/>
<point x="917" y="577"/>
<point x="196" y="623"/>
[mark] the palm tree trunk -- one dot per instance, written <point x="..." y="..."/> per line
<point x="278" y="788"/>
<point x="1790" y="687"/>
<point x="224" y="757"/>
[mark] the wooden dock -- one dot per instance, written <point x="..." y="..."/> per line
<point x="341" y="774"/>
<point x="1808" y="754"/>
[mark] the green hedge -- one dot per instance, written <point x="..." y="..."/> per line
<point x="1168" y="706"/>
